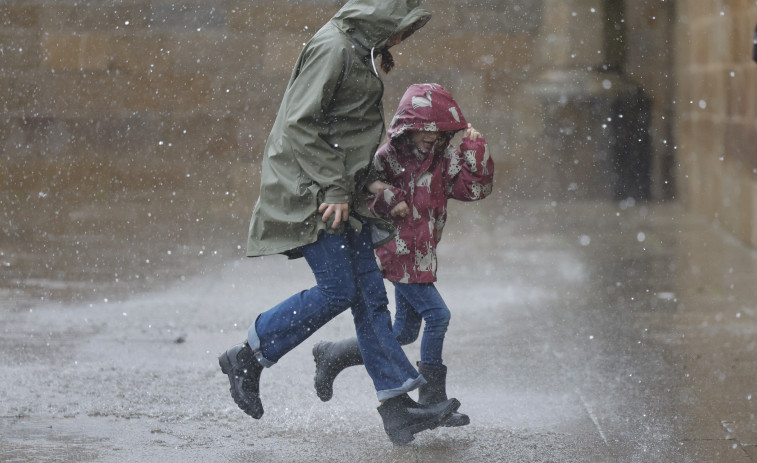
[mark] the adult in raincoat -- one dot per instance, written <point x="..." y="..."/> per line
<point x="316" y="172"/>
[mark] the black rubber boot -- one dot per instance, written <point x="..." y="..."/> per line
<point x="434" y="391"/>
<point x="330" y="359"/>
<point x="403" y="417"/>
<point x="243" y="369"/>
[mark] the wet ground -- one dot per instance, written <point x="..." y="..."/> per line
<point x="581" y="332"/>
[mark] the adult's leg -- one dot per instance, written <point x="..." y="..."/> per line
<point x="283" y="327"/>
<point x="386" y="362"/>
<point x="392" y="374"/>
<point x="331" y="358"/>
<point x="280" y="329"/>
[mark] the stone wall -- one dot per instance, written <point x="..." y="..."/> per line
<point x="716" y="112"/>
<point x="107" y="95"/>
<point x="113" y="94"/>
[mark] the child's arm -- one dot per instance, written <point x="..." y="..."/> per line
<point x="471" y="169"/>
<point x="388" y="201"/>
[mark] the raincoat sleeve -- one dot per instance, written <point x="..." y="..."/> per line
<point x="317" y="78"/>
<point x="470" y="173"/>
<point x="383" y="203"/>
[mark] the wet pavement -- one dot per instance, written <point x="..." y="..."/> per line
<point x="581" y="332"/>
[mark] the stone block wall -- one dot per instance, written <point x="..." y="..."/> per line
<point x="129" y="90"/>
<point x="716" y="112"/>
<point x="120" y="95"/>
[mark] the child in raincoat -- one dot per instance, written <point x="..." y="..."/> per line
<point x="422" y="171"/>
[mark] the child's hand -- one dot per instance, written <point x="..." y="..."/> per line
<point x="377" y="187"/>
<point x="472" y="133"/>
<point x="400" y="209"/>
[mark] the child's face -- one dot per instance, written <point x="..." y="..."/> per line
<point x="424" y="141"/>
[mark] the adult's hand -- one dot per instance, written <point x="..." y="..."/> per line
<point x="341" y="213"/>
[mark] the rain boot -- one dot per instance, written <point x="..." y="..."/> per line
<point x="243" y="370"/>
<point x="403" y="417"/>
<point x="330" y="359"/>
<point x="434" y="391"/>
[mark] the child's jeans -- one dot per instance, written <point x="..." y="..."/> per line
<point x="346" y="276"/>
<point x="417" y="302"/>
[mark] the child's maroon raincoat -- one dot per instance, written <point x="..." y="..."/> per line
<point x="426" y="182"/>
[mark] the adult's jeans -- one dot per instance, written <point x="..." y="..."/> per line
<point x="416" y="302"/>
<point x="347" y="276"/>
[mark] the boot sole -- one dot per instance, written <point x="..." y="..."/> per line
<point x="225" y="363"/>
<point x="405" y="435"/>
<point x="456" y="420"/>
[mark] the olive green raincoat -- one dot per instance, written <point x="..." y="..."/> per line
<point x="328" y="127"/>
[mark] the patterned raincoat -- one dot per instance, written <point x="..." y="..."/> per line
<point x="426" y="182"/>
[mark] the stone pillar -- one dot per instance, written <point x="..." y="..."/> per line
<point x="595" y="120"/>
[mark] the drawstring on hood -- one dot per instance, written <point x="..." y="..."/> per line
<point x="373" y="63"/>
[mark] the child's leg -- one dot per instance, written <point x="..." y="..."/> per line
<point x="407" y="322"/>
<point x="425" y="300"/>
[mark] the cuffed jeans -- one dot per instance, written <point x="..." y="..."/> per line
<point x="416" y="302"/>
<point x="346" y="276"/>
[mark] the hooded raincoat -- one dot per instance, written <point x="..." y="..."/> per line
<point x="426" y="182"/>
<point x="328" y="127"/>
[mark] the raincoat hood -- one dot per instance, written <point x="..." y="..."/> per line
<point x="427" y="108"/>
<point x="370" y="23"/>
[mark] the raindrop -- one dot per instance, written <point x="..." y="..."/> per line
<point x="640" y="237"/>
<point x="702" y="104"/>
<point x="585" y="240"/>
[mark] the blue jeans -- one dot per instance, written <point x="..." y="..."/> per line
<point x="346" y="276"/>
<point x="416" y="302"/>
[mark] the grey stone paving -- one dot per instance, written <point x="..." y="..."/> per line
<point x="581" y="332"/>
